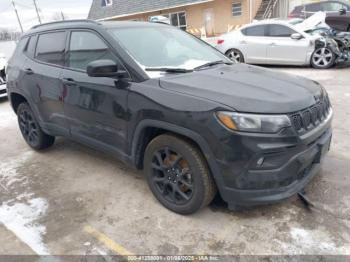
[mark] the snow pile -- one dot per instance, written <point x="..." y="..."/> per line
<point x="21" y="213"/>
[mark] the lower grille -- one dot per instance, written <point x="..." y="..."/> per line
<point x="311" y="117"/>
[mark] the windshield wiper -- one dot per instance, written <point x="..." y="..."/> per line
<point x="169" y="69"/>
<point x="212" y="64"/>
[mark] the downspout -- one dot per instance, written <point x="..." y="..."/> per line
<point x="250" y="11"/>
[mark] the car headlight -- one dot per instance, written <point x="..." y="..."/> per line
<point x="253" y="122"/>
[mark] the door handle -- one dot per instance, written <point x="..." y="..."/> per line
<point x="243" y="42"/>
<point x="69" y="82"/>
<point x="273" y="44"/>
<point x="28" y="71"/>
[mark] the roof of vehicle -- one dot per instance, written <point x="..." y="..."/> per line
<point x="85" y="23"/>
<point x="269" y="21"/>
<point x="316" y="3"/>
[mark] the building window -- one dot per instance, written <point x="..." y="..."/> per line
<point x="177" y="19"/>
<point x="237" y="9"/>
<point x="107" y="2"/>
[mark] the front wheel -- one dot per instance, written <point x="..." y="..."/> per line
<point x="235" y="55"/>
<point x="322" y="58"/>
<point x="178" y="175"/>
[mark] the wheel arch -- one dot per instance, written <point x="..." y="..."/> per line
<point x="149" y="129"/>
<point x="16" y="99"/>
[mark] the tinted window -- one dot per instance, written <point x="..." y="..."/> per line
<point x="332" y="7"/>
<point x="254" y="31"/>
<point x="280" y="31"/>
<point x="86" y="47"/>
<point x="30" y="50"/>
<point x="51" y="47"/>
<point x="313" y="8"/>
<point x="298" y="9"/>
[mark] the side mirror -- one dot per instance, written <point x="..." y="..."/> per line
<point x="342" y="11"/>
<point x="105" y="68"/>
<point x="296" y="36"/>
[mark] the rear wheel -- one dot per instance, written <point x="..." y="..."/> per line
<point x="178" y="175"/>
<point x="31" y="130"/>
<point x="322" y="58"/>
<point x="235" y="55"/>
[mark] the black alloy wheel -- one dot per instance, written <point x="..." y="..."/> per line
<point x="172" y="176"/>
<point x="30" y="129"/>
<point x="178" y="174"/>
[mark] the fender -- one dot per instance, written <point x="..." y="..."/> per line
<point x="29" y="101"/>
<point x="198" y="139"/>
<point x="43" y="125"/>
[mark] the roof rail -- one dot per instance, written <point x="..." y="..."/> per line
<point x="67" y="21"/>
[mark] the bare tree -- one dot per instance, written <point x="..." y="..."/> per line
<point x="7" y="34"/>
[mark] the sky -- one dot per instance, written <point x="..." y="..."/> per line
<point x="72" y="9"/>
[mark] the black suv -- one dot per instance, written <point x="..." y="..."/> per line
<point x="164" y="101"/>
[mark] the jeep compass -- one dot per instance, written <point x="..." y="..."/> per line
<point x="166" y="102"/>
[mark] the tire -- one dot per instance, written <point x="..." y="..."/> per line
<point x="235" y="55"/>
<point x="178" y="174"/>
<point x="30" y="129"/>
<point x="322" y="58"/>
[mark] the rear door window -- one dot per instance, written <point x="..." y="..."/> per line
<point x="51" y="47"/>
<point x="331" y="6"/>
<point x="280" y="31"/>
<point x="313" y="8"/>
<point x="30" y="49"/>
<point x="86" y="47"/>
<point x="258" y="30"/>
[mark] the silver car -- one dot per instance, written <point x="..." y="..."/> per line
<point x="3" y="65"/>
<point x="275" y="42"/>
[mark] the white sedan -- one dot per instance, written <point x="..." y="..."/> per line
<point x="275" y="42"/>
<point x="3" y="65"/>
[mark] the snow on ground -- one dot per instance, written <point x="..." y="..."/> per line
<point x="7" y="48"/>
<point x="20" y="213"/>
<point x="314" y="241"/>
<point x="21" y="218"/>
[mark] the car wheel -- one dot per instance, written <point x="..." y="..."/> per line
<point x="31" y="130"/>
<point x="235" y="55"/>
<point x="178" y="175"/>
<point x="322" y="58"/>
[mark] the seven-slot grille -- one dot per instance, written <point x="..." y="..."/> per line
<point x="311" y="117"/>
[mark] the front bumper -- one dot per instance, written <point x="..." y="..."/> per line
<point x="289" y="164"/>
<point x="3" y="91"/>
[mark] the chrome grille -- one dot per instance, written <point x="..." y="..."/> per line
<point x="311" y="117"/>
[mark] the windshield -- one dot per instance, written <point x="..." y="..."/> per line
<point x="166" y="47"/>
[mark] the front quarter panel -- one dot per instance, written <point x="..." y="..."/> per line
<point x="148" y="100"/>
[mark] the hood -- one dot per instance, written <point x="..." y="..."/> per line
<point x="314" y="21"/>
<point x="247" y="88"/>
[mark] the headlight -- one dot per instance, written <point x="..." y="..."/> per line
<point x="253" y="122"/>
